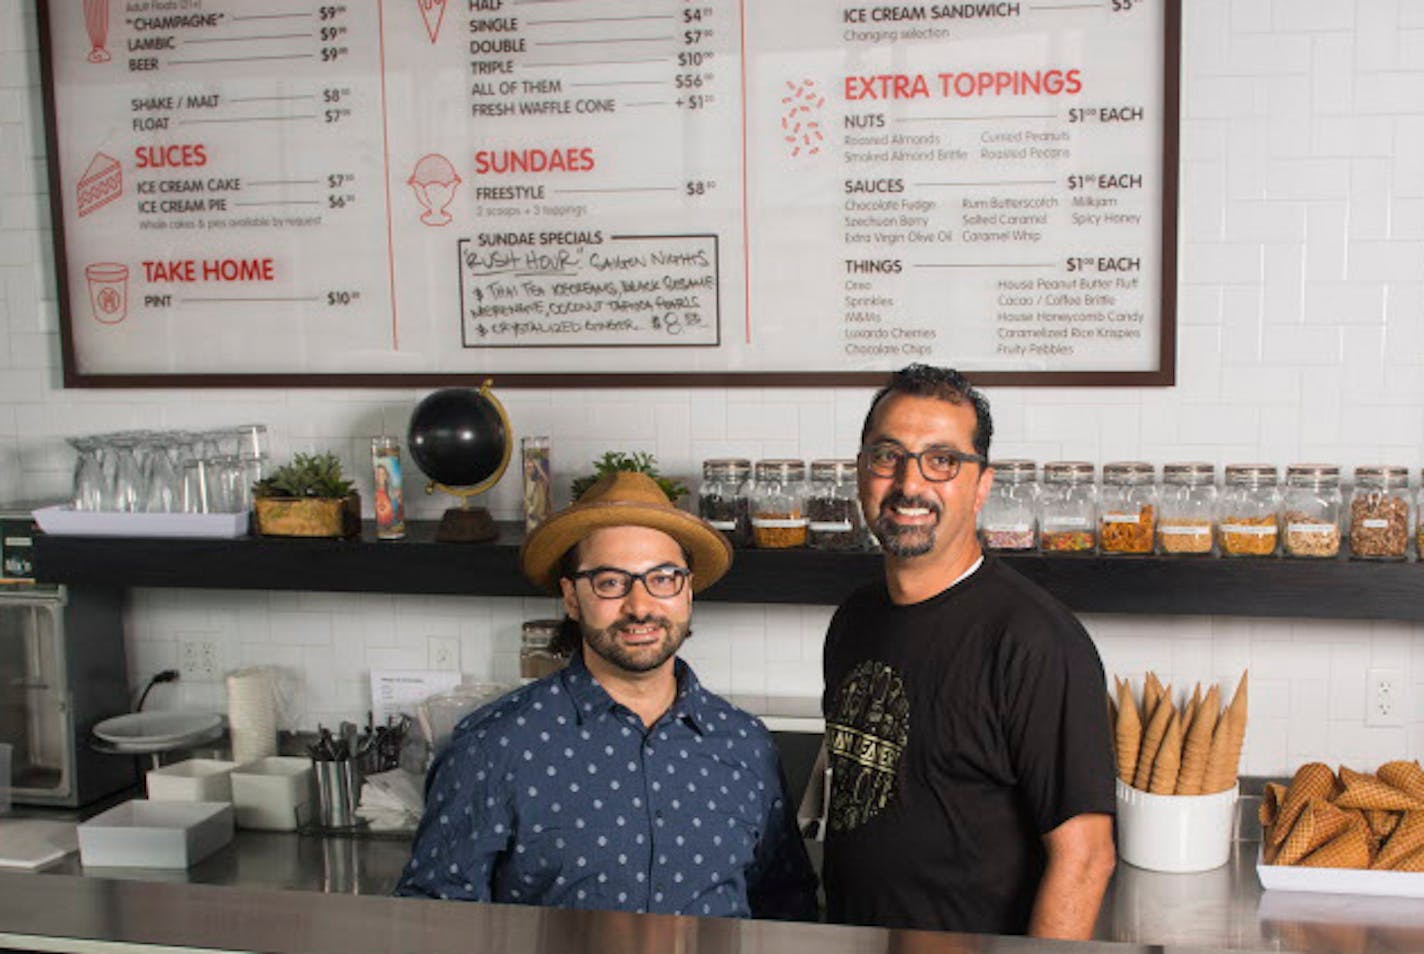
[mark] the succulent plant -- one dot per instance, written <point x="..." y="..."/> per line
<point x="308" y="475"/>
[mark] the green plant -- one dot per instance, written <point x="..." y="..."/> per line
<point x="639" y="462"/>
<point x="308" y="475"/>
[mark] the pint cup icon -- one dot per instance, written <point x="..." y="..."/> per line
<point x="108" y="291"/>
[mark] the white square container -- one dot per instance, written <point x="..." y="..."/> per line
<point x="148" y="834"/>
<point x="192" y="780"/>
<point x="272" y="793"/>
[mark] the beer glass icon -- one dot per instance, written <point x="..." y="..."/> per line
<point x="96" y="22"/>
<point x="108" y="291"/>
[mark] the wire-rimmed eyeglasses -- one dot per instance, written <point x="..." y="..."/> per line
<point x="611" y="583"/>
<point x="937" y="464"/>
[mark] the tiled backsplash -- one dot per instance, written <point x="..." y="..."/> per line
<point x="1300" y="337"/>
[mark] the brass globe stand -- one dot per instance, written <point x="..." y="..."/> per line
<point x="467" y="524"/>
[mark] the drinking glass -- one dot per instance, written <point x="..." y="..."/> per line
<point x="164" y="485"/>
<point x="251" y="441"/>
<point x="224" y="478"/>
<point x="195" y="485"/>
<point x="128" y="476"/>
<point x="89" y="481"/>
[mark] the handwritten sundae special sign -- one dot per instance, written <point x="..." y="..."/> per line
<point x="591" y="191"/>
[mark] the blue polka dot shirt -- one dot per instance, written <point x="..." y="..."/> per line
<point x="557" y="795"/>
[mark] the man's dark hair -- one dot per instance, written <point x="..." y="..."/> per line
<point x="945" y="384"/>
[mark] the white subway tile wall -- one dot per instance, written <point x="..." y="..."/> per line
<point x="1301" y="311"/>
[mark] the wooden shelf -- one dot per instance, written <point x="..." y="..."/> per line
<point x="1336" y="588"/>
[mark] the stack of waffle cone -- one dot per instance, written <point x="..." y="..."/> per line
<point x="1357" y="820"/>
<point x="1164" y="749"/>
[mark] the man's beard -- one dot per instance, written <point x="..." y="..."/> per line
<point x="606" y="644"/>
<point x="900" y="540"/>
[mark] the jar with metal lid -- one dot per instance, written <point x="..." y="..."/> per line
<point x="1310" y="511"/>
<point x="1187" y="521"/>
<point x="722" y="499"/>
<point x="1248" y="514"/>
<point x="1127" y="507"/>
<point x="1380" y="513"/>
<point x="833" y="507"/>
<point x="778" y="501"/>
<point x="1009" y="517"/>
<point x="1068" y="507"/>
<point x="538" y="648"/>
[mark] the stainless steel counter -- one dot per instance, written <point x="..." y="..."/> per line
<point x="307" y="895"/>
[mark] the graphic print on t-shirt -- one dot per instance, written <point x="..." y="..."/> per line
<point x="866" y="732"/>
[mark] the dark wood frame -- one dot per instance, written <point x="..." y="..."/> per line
<point x="1163" y="376"/>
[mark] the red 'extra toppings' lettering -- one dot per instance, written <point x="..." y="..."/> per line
<point x="889" y="86"/>
<point x="507" y="161"/>
<point x="178" y="155"/>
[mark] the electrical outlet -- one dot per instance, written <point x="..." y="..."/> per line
<point x="198" y="661"/>
<point x="443" y="653"/>
<point x="1384" y="697"/>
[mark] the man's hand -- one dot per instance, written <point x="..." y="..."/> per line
<point x="1081" y="857"/>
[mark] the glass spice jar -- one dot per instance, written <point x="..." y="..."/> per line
<point x="1187" y="520"/>
<point x="1009" y="518"/>
<point x="1248" y="514"/>
<point x="1127" y="508"/>
<point x="722" y="499"/>
<point x="1068" y="508"/>
<point x="537" y="658"/>
<point x="1310" y="511"/>
<point x="779" y="504"/>
<point x="833" y="507"/>
<point x="1380" y="513"/>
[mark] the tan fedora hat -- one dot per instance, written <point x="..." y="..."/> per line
<point x="623" y="499"/>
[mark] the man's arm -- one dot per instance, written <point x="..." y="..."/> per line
<point x="1081" y="857"/>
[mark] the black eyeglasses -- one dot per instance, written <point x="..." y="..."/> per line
<point x="610" y="583"/>
<point x="937" y="464"/>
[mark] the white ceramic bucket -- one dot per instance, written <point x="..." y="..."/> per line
<point x="1175" y="832"/>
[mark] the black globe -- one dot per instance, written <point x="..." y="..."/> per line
<point x="458" y="437"/>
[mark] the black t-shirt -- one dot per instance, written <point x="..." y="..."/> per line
<point x="960" y="730"/>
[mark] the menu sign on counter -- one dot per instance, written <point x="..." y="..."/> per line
<point x="596" y="191"/>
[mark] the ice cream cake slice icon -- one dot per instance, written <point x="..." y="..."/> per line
<point x="102" y="183"/>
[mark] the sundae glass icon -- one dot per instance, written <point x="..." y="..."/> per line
<point x="96" y="24"/>
<point x="434" y="182"/>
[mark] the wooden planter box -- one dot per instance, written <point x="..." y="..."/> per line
<point x="307" y="516"/>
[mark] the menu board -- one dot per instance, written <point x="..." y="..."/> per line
<point x="611" y="191"/>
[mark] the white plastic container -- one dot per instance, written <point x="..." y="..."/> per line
<point x="192" y="780"/>
<point x="1176" y="833"/>
<point x="273" y="793"/>
<point x="147" y="834"/>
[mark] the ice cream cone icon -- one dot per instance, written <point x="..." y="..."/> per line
<point x="433" y="12"/>
<point x="96" y="22"/>
<point x="434" y="182"/>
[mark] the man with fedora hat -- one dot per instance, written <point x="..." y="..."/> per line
<point x="619" y="783"/>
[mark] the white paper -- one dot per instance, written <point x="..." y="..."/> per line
<point x="393" y="692"/>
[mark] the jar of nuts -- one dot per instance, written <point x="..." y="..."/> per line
<point x="779" y="504"/>
<point x="1188" y="517"/>
<point x="1310" y="511"/>
<point x="1127" y="508"/>
<point x="1009" y="518"/>
<point x="1068" y="508"/>
<point x="833" y="507"/>
<point x="722" y="499"/>
<point x="1380" y="513"/>
<point x="1248" y="514"/>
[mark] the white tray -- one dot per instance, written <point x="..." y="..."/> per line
<point x="1394" y="884"/>
<point x="147" y="834"/>
<point x="65" y="520"/>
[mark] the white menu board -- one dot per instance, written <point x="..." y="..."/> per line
<point x="580" y="191"/>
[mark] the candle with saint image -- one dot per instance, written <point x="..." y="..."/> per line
<point x="534" y="452"/>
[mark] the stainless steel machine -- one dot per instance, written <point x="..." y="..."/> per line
<point x="62" y="669"/>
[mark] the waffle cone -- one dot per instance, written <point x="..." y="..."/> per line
<point x="1349" y="849"/>
<point x="1169" y="758"/>
<point x="1318" y="824"/>
<point x="1313" y="780"/>
<point x="1382" y="823"/>
<point x="1152" y="694"/>
<point x="1408" y="837"/>
<point x="1128" y="732"/>
<point x="1367" y="791"/>
<point x="1198" y="744"/>
<point x="1151" y="742"/>
<point x="1271" y="799"/>
<point x="1192" y="708"/>
<point x="1411" y="862"/>
<point x="1408" y="777"/>
<point x="1226" y="742"/>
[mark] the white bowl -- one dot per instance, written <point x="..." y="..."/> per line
<point x="192" y="780"/>
<point x="148" y="834"/>
<point x="1174" y="832"/>
<point x="272" y="793"/>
